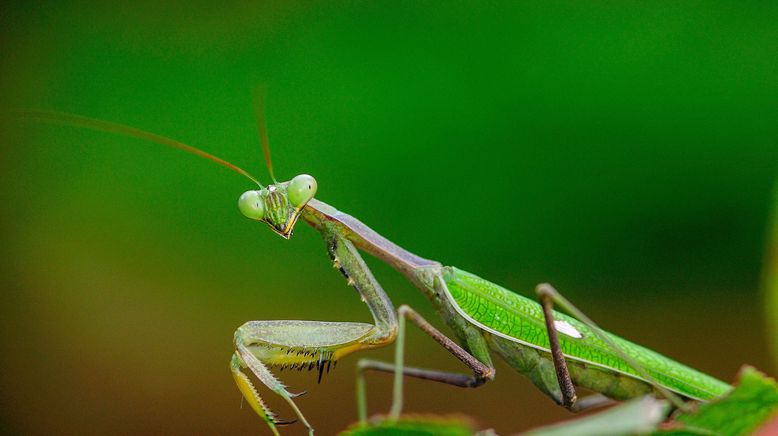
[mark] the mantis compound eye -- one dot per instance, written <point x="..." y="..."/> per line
<point x="301" y="189"/>
<point x="251" y="205"/>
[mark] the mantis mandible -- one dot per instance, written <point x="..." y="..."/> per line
<point x="557" y="352"/>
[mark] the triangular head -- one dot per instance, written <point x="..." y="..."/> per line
<point x="279" y="205"/>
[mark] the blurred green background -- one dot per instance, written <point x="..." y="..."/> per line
<point x="622" y="151"/>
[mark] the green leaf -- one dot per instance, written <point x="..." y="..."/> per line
<point x="416" y="425"/>
<point x="753" y="401"/>
<point x="640" y="415"/>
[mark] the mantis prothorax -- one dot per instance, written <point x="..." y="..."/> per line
<point x="555" y="351"/>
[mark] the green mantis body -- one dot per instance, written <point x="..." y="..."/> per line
<point x="555" y="351"/>
<point x="483" y="316"/>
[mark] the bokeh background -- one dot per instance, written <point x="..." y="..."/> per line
<point x="623" y="151"/>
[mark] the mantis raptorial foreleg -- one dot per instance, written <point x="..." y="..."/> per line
<point x="311" y="344"/>
<point x="347" y="260"/>
<point x="290" y="344"/>
<point x="243" y="357"/>
<point x="252" y="396"/>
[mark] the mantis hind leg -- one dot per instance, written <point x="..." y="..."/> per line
<point x="548" y="297"/>
<point x="569" y="395"/>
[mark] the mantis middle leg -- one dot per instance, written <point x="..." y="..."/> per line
<point x="482" y="367"/>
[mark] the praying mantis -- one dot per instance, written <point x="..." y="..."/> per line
<point x="556" y="351"/>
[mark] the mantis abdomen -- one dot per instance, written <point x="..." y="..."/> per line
<point x="514" y="328"/>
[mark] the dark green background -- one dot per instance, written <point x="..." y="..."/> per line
<point x="622" y="151"/>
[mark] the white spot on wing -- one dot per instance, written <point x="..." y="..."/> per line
<point x="566" y="328"/>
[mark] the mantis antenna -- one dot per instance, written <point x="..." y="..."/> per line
<point x="108" y="126"/>
<point x="259" y="110"/>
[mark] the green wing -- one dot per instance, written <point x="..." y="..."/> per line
<point x="507" y="314"/>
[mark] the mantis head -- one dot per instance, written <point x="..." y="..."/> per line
<point x="279" y="205"/>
